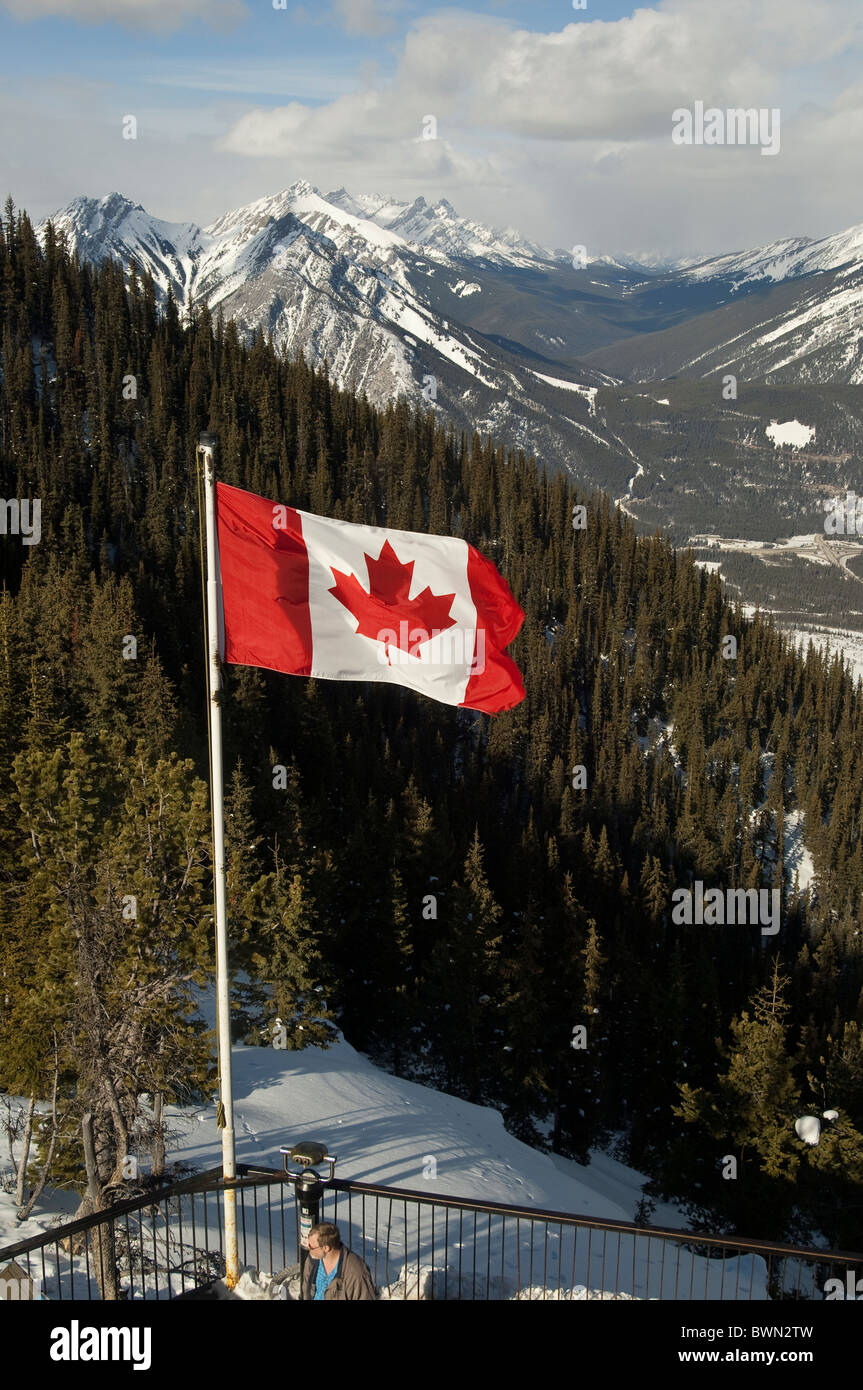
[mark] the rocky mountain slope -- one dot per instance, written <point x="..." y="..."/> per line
<point x="787" y="313"/>
<point x="378" y="289"/>
<point x="503" y="335"/>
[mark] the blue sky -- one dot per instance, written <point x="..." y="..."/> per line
<point x="290" y="53"/>
<point x="552" y="119"/>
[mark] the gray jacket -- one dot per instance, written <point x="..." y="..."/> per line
<point x="352" y="1279"/>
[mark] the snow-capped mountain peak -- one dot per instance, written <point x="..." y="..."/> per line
<point x="115" y="226"/>
<point x="437" y="227"/>
<point x="787" y="259"/>
<point x="386" y="291"/>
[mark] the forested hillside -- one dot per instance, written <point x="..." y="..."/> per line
<point x="432" y="873"/>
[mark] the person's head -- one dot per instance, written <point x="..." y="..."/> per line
<point x="324" y="1239"/>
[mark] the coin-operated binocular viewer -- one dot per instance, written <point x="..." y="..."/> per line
<point x="308" y="1187"/>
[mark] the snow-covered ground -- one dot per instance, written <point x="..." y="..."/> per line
<point x="403" y="1135"/>
<point x="589" y="392"/>
<point x="815" y="549"/>
<point x="798" y="860"/>
<point x="846" y="641"/>
<point x="789" y="432"/>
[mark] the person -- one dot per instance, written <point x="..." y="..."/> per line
<point x="334" y="1272"/>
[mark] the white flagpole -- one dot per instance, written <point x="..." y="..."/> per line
<point x="206" y="448"/>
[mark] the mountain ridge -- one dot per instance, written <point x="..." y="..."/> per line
<point x="386" y="313"/>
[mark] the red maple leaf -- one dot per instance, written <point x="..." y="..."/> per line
<point x="385" y="612"/>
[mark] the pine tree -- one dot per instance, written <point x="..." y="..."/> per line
<point x="113" y="913"/>
<point x="383" y="791"/>
<point x="464" y="980"/>
<point x="291" y="962"/>
<point x="753" y="1112"/>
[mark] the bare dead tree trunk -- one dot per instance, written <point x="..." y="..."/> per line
<point x="158" y="1149"/>
<point x="94" y="1187"/>
<point x="104" y="1253"/>
<point x="24" y="1212"/>
<point x="21" y="1183"/>
<point x="120" y="1127"/>
<point x="11" y="1127"/>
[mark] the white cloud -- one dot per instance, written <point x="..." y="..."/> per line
<point x="161" y="15"/>
<point x="347" y="124"/>
<point x="622" y="79"/>
<point x="356" y="131"/>
<point x="568" y="134"/>
<point x="617" y="80"/>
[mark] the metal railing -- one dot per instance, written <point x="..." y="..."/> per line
<point x="150" y="1247"/>
<point x="417" y="1246"/>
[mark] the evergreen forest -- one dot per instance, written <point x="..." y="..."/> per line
<point x="480" y="903"/>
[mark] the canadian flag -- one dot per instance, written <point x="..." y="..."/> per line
<point x="311" y="596"/>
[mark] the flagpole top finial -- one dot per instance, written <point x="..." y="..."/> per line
<point x="208" y="441"/>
